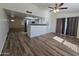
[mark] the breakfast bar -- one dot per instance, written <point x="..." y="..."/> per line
<point x="36" y="30"/>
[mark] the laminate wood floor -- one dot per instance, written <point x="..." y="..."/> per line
<point x="19" y="44"/>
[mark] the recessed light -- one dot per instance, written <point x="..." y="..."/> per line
<point x="12" y="20"/>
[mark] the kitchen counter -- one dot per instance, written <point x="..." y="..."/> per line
<point x="34" y="30"/>
<point x="38" y="24"/>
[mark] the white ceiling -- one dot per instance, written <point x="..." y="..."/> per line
<point x="72" y="7"/>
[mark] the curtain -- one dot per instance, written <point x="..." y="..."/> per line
<point x="60" y="25"/>
<point x="25" y="24"/>
<point x="72" y="25"/>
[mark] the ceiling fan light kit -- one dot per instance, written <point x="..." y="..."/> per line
<point x="56" y="10"/>
<point x="57" y="7"/>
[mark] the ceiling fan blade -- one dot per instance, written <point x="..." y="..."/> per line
<point x="50" y="10"/>
<point x="63" y="8"/>
<point x="56" y="5"/>
<point x="61" y="4"/>
<point x="50" y="7"/>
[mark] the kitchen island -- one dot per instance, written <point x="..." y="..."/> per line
<point x="34" y="30"/>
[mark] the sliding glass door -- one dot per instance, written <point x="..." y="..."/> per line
<point x="67" y="26"/>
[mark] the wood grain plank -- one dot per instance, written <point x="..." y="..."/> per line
<point x="18" y="44"/>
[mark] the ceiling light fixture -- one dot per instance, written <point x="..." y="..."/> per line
<point x="12" y="20"/>
<point x="56" y="10"/>
<point x="57" y="7"/>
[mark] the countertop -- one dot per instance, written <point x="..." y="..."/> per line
<point x="38" y="24"/>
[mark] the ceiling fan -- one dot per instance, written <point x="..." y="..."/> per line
<point x="57" y="7"/>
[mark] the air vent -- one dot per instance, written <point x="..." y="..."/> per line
<point x="29" y="12"/>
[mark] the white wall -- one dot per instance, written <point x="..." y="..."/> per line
<point x="51" y="20"/>
<point x="61" y="15"/>
<point x="3" y="28"/>
<point x="73" y="14"/>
